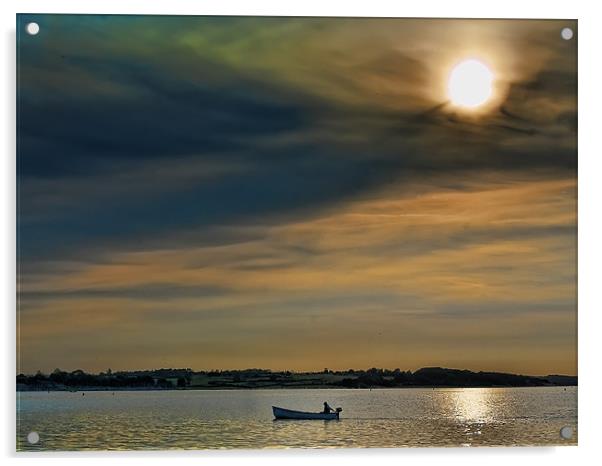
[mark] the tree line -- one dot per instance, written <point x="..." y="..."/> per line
<point x="374" y="377"/>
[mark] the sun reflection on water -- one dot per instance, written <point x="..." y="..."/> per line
<point x="473" y="405"/>
<point x="472" y="409"/>
<point x="243" y="419"/>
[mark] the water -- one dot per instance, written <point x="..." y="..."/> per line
<point x="161" y="420"/>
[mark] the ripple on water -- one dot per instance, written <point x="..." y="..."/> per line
<point x="163" y="420"/>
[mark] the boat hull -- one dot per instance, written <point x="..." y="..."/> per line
<point x="281" y="413"/>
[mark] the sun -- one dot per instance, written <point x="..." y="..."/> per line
<point x="470" y="84"/>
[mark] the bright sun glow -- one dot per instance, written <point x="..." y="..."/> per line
<point x="470" y="84"/>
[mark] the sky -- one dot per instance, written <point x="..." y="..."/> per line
<point x="294" y="193"/>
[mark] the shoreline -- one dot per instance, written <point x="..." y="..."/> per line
<point x="209" y="389"/>
<point x="262" y="379"/>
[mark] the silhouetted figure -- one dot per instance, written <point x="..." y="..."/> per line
<point x="327" y="408"/>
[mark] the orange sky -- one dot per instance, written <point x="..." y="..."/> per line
<point x="296" y="194"/>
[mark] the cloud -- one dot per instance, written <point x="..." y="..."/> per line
<point x="454" y="265"/>
<point x="258" y="176"/>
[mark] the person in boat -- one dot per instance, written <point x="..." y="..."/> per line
<point x="327" y="408"/>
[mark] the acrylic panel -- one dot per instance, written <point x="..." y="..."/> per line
<point x="270" y="232"/>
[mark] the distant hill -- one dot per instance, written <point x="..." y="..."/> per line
<point x="561" y="379"/>
<point x="464" y="378"/>
<point x="443" y="377"/>
<point x="161" y="379"/>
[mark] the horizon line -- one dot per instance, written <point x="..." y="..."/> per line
<point x="295" y="371"/>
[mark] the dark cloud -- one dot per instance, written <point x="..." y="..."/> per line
<point x="154" y="291"/>
<point x="167" y="114"/>
<point x="71" y="135"/>
<point x="217" y="138"/>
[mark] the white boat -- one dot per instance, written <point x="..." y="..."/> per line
<point x="281" y="413"/>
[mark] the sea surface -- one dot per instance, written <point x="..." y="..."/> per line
<point x="218" y="419"/>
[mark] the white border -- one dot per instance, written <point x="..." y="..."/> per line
<point x="590" y="208"/>
<point x="377" y="8"/>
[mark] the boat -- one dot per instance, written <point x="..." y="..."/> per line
<point x="281" y="413"/>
